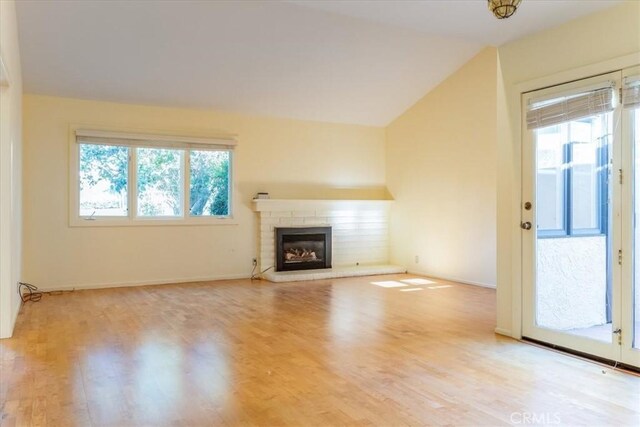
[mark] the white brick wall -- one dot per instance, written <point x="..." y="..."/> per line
<point x="360" y="228"/>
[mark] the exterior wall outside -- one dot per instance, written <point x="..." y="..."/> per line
<point x="287" y="158"/>
<point x="571" y="282"/>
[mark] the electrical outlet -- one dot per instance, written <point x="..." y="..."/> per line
<point x="417" y="259"/>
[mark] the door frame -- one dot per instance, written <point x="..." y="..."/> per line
<point x="629" y="355"/>
<point x="515" y="235"/>
<point x="6" y="305"/>
<point x="608" y="350"/>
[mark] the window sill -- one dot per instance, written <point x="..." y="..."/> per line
<point x="164" y="222"/>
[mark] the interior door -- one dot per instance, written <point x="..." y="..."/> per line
<point x="571" y="216"/>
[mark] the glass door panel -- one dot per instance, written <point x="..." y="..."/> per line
<point x="573" y="283"/>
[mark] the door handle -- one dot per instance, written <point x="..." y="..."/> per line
<point x="525" y="225"/>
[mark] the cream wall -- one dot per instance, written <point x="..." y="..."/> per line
<point x="10" y="170"/>
<point x="440" y="163"/>
<point x="287" y="158"/>
<point x="568" y="52"/>
<point x="441" y="170"/>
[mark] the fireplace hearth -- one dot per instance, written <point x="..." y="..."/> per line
<point x="302" y="248"/>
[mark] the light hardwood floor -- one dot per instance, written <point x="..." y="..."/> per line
<point x="335" y="352"/>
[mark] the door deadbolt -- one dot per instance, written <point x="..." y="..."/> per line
<point x="527" y="206"/>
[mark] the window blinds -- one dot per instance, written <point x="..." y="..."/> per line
<point x="569" y="107"/>
<point x="84" y="136"/>
<point x="631" y="92"/>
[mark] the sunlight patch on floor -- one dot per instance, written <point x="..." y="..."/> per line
<point x="389" y="284"/>
<point x="404" y="283"/>
<point x="418" y="281"/>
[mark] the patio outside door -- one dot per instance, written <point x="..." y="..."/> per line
<point x="578" y="217"/>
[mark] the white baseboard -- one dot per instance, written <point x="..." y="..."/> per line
<point x="452" y="279"/>
<point x="80" y="286"/>
<point x="505" y="332"/>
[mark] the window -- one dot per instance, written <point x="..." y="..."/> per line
<point x="209" y="183"/>
<point x="104" y="180"/>
<point x="159" y="176"/>
<point x="572" y="169"/>
<point x="142" y="179"/>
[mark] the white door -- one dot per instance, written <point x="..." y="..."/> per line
<point x="578" y="228"/>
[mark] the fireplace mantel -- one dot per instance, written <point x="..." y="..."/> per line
<point x="266" y="205"/>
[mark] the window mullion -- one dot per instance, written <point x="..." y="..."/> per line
<point x="568" y="223"/>
<point x="600" y="187"/>
<point x="186" y="177"/>
<point x="133" y="183"/>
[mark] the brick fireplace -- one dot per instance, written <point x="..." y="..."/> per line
<point x="359" y="230"/>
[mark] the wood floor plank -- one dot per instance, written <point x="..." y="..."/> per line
<point x="332" y="352"/>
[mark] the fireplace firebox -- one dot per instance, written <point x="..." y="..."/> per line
<point x="302" y="248"/>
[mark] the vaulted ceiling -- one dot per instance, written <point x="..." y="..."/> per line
<point x="362" y="62"/>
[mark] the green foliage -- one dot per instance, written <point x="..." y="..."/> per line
<point x="209" y="183"/>
<point x="104" y="162"/>
<point x="159" y="173"/>
<point x="220" y="205"/>
<point x="159" y="177"/>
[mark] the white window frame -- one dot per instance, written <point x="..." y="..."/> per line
<point x="135" y="140"/>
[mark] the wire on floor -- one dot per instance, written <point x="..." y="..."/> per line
<point x="258" y="276"/>
<point x="29" y="292"/>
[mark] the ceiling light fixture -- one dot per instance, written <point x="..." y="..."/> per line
<point x="503" y="8"/>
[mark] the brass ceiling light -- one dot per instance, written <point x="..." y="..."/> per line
<point x="503" y="8"/>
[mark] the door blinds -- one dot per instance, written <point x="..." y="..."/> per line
<point x="574" y="106"/>
<point x="631" y="92"/>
